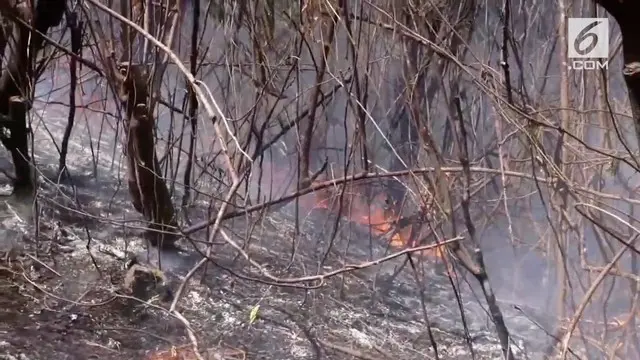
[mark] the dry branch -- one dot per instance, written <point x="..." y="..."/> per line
<point x="208" y="102"/>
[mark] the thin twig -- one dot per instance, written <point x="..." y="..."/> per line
<point x="597" y="281"/>
<point x="208" y="102"/>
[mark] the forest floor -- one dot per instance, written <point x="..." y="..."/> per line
<point x="61" y="300"/>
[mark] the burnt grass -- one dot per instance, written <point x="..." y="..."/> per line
<point x="55" y="303"/>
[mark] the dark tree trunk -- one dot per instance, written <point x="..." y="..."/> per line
<point x="17" y="79"/>
<point x="148" y="190"/>
<point x="625" y="13"/>
<point x="14" y="84"/>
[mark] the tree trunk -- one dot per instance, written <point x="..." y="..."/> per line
<point x="625" y="13"/>
<point x="14" y="82"/>
<point x="148" y="190"/>
<point x="17" y="79"/>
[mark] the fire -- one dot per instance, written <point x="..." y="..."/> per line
<point x="376" y="214"/>
<point x="381" y="219"/>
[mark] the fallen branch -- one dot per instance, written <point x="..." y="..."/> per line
<point x="320" y="278"/>
<point x="214" y="232"/>
<point x="346" y="350"/>
<point x="190" y="333"/>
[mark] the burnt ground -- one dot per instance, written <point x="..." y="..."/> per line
<point x="55" y="304"/>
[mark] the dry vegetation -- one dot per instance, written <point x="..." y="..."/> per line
<point x="448" y="132"/>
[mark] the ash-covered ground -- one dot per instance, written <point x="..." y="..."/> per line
<point x="57" y="305"/>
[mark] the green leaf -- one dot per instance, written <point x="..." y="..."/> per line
<point x="253" y="315"/>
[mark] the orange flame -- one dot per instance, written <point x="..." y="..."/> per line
<point x="374" y="214"/>
<point x="379" y="218"/>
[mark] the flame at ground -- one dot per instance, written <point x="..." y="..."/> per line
<point x="381" y="219"/>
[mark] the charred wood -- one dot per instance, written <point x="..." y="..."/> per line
<point x="17" y="79"/>
<point x="147" y="188"/>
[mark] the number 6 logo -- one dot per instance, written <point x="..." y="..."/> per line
<point x="584" y="36"/>
<point x="588" y="38"/>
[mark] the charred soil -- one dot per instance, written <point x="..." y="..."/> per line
<point x="56" y="304"/>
